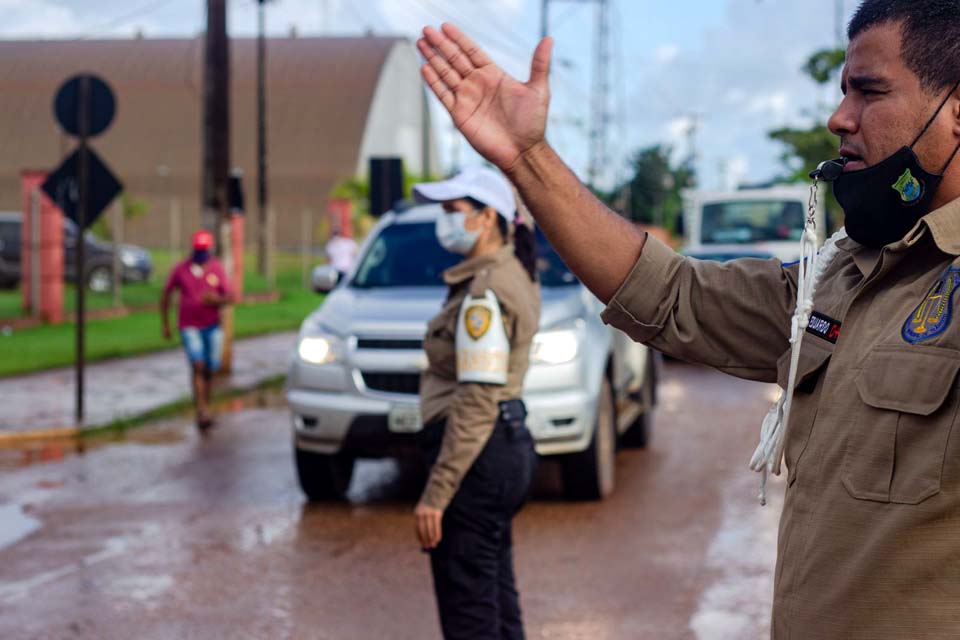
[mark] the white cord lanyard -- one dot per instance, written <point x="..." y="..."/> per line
<point x="769" y="453"/>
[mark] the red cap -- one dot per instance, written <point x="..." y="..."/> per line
<point x="202" y="239"/>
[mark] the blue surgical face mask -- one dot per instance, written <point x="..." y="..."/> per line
<point x="453" y="235"/>
<point x="200" y="256"/>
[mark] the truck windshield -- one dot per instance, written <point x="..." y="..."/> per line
<point x="408" y="255"/>
<point x="404" y="255"/>
<point x="747" y="221"/>
<point x="553" y="272"/>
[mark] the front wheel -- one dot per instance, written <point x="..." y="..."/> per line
<point x="591" y="474"/>
<point x="100" y="279"/>
<point x="323" y="477"/>
<point x="639" y="433"/>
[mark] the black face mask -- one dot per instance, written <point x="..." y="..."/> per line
<point x="200" y="256"/>
<point x="882" y="203"/>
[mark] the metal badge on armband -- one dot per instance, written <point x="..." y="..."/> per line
<point x="483" y="350"/>
<point x="773" y="433"/>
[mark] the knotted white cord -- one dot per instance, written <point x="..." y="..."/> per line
<point x="769" y="453"/>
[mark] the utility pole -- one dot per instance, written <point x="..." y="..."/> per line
<point x="261" y="139"/>
<point x="216" y="119"/>
<point x="544" y="19"/>
<point x="693" y="123"/>
<point x="600" y="112"/>
<point x="599" y="106"/>
<point x="216" y="149"/>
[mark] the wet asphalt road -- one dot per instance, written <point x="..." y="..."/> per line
<point x="168" y="535"/>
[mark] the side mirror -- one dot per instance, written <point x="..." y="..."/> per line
<point x="324" y="278"/>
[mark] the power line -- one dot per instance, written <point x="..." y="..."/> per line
<point x="143" y="10"/>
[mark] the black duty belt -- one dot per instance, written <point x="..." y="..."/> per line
<point x="513" y="413"/>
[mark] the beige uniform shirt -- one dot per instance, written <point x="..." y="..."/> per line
<point x="471" y="409"/>
<point x="869" y="542"/>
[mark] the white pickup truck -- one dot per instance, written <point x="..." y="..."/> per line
<point x="354" y="378"/>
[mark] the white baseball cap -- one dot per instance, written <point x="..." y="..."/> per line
<point x="480" y="183"/>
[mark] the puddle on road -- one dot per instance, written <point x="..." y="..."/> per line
<point x="167" y="430"/>
<point x="15" y="525"/>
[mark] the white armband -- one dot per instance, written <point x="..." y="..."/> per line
<point x="483" y="350"/>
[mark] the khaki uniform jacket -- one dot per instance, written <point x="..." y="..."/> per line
<point x="471" y="409"/>
<point x="869" y="542"/>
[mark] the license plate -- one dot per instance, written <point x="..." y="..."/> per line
<point x="404" y="420"/>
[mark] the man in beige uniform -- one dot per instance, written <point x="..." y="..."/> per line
<point x="869" y="543"/>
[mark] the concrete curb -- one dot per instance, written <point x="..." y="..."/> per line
<point x="9" y="440"/>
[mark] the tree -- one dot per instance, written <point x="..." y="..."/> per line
<point x="357" y="191"/>
<point x="805" y="148"/>
<point x="653" y="194"/>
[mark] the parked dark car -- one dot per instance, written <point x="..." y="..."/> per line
<point x="135" y="261"/>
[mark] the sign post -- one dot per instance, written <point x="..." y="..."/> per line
<point x="83" y="186"/>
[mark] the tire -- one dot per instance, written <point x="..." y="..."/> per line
<point x="591" y="474"/>
<point x="638" y="435"/>
<point x="100" y="279"/>
<point x="323" y="477"/>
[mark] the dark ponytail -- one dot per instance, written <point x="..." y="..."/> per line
<point x="524" y="244"/>
<point x="524" y="240"/>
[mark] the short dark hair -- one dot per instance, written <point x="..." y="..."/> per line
<point x="930" y="39"/>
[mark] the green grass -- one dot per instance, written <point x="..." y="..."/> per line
<point x="139" y="332"/>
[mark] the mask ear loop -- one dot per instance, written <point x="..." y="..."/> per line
<point x="934" y="117"/>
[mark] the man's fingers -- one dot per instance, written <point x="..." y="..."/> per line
<point x="445" y="72"/>
<point x="474" y="53"/>
<point x="540" y="67"/>
<point x="443" y="93"/>
<point x="451" y="51"/>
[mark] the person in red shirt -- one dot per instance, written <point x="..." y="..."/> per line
<point x="203" y="288"/>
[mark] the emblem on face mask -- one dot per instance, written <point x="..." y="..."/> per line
<point x="909" y="188"/>
<point x="934" y="314"/>
<point x="477" y="321"/>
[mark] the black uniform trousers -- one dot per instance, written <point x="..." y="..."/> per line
<point x="473" y="564"/>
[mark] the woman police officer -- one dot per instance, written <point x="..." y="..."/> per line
<point x="474" y="437"/>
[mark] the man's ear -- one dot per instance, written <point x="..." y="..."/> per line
<point x="955" y="110"/>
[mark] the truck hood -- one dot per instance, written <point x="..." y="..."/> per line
<point x="403" y="312"/>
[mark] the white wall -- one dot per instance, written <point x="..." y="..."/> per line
<point x="395" y="121"/>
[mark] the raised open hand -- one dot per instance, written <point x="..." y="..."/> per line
<point x="499" y="116"/>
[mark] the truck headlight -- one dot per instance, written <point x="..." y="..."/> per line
<point x="320" y="349"/>
<point x="555" y="347"/>
<point x="128" y="258"/>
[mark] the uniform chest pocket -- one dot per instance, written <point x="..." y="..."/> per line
<point x="895" y="449"/>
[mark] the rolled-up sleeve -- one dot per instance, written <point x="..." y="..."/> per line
<point x="734" y="316"/>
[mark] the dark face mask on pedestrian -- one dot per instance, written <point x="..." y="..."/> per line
<point x="200" y="256"/>
<point x="882" y="203"/>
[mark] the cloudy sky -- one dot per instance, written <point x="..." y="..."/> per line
<point x="730" y="66"/>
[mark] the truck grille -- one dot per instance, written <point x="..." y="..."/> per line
<point x="376" y="343"/>
<point x="408" y="383"/>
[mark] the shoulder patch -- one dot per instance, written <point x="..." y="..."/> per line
<point x="935" y="312"/>
<point x="483" y="350"/>
<point x="477" y="320"/>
